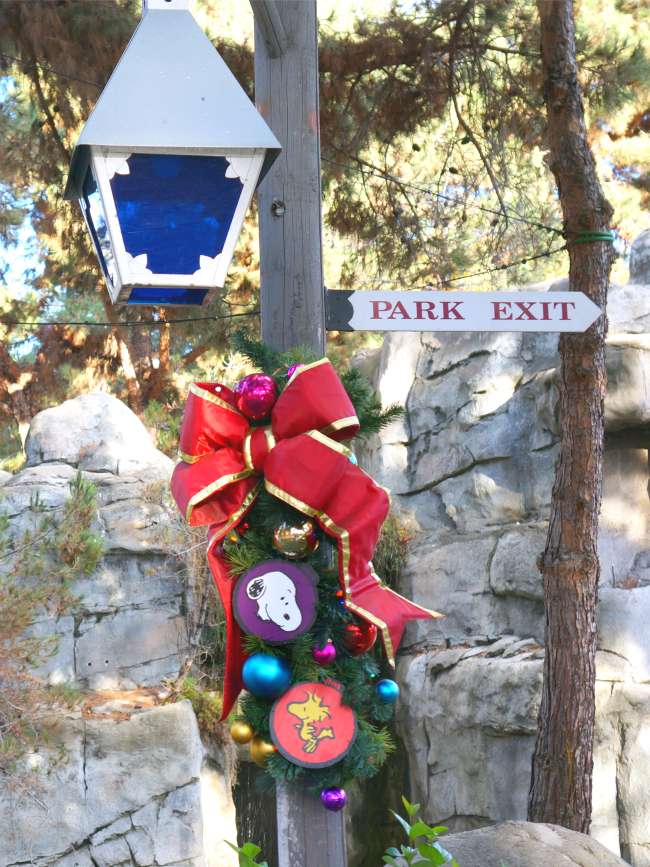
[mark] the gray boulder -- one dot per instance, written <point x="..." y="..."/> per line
<point x="527" y="844"/>
<point x="94" y="432"/>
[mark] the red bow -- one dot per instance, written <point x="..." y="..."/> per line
<point x="303" y="464"/>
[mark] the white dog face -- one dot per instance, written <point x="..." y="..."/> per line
<point x="275" y="594"/>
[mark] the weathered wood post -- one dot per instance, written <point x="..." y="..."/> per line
<point x="289" y="198"/>
<point x="292" y="295"/>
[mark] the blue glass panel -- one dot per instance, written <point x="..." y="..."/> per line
<point x="93" y="208"/>
<point x="151" y="295"/>
<point x="175" y="209"/>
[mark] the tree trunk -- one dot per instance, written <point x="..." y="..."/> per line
<point x="561" y="785"/>
<point x="132" y="385"/>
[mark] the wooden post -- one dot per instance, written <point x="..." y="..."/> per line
<point x="292" y="296"/>
<point x="289" y="198"/>
<point x="308" y="834"/>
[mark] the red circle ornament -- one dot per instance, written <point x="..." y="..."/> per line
<point x="359" y="637"/>
<point x="311" y="727"/>
<point x="255" y="396"/>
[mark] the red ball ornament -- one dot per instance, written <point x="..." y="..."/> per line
<point x="359" y="637"/>
<point x="255" y="396"/>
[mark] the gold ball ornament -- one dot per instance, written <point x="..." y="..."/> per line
<point x="295" y="540"/>
<point x="241" y="732"/>
<point x="260" y="751"/>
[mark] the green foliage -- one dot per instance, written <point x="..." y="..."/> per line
<point x="37" y="572"/>
<point x="247" y="854"/>
<point x="430" y="852"/>
<point x="372" y="418"/>
<point x="391" y="550"/>
<point x="207" y="704"/>
<point x="166" y="424"/>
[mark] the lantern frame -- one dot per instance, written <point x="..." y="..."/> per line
<point x="170" y="94"/>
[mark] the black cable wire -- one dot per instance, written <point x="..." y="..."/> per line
<point x="373" y="172"/>
<point x="52" y="71"/>
<point x="499" y="267"/>
<point x="376" y="172"/>
<point x="156" y="322"/>
<point x="159" y="322"/>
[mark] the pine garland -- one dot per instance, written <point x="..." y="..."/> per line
<point x="251" y="543"/>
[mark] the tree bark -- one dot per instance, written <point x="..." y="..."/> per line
<point x="132" y="385"/>
<point x="561" y="784"/>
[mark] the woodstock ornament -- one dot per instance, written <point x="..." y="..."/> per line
<point x="311" y="727"/>
<point x="276" y="601"/>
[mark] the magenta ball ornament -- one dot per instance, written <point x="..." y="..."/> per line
<point x="324" y="655"/>
<point x="333" y="799"/>
<point x="255" y="396"/>
<point x="293" y="369"/>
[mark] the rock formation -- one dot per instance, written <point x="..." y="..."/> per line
<point x="470" y="469"/>
<point x="137" y="786"/>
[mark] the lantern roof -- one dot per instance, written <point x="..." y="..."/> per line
<point x="171" y="90"/>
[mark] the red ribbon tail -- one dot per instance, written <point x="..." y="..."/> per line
<point x="235" y="653"/>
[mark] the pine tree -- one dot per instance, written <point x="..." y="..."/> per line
<point x="428" y="115"/>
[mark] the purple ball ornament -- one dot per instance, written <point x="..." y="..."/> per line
<point x="255" y="396"/>
<point x="333" y="799"/>
<point x="324" y="655"/>
<point x="293" y="369"/>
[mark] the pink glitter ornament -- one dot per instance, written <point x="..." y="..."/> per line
<point x="293" y="369"/>
<point x="324" y="655"/>
<point x="333" y="799"/>
<point x="255" y="396"/>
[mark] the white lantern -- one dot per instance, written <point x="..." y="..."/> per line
<point x="167" y="164"/>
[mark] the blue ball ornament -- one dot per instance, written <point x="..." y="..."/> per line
<point x="266" y="676"/>
<point x="354" y="461"/>
<point x="387" y="691"/>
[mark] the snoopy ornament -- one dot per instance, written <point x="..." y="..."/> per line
<point x="276" y="600"/>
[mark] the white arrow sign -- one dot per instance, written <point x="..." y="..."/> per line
<point x="424" y="310"/>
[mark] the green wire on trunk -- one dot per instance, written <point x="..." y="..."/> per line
<point x="589" y="237"/>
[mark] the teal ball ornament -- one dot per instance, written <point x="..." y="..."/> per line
<point x="387" y="691"/>
<point x="266" y="676"/>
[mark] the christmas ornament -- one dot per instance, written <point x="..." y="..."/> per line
<point x="359" y="637"/>
<point x="311" y="727"/>
<point x="266" y="676"/>
<point x="333" y="799"/>
<point x="293" y="369"/>
<point x="260" y="751"/>
<point x="387" y="691"/>
<point x="295" y="540"/>
<point x="241" y="732"/>
<point x="324" y="655"/>
<point x="276" y="600"/>
<point x="354" y="461"/>
<point x="255" y="396"/>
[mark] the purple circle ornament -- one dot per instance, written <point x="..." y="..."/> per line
<point x="276" y="600"/>
<point x="293" y="369"/>
<point x="255" y="396"/>
<point x="333" y="799"/>
<point x="324" y="655"/>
